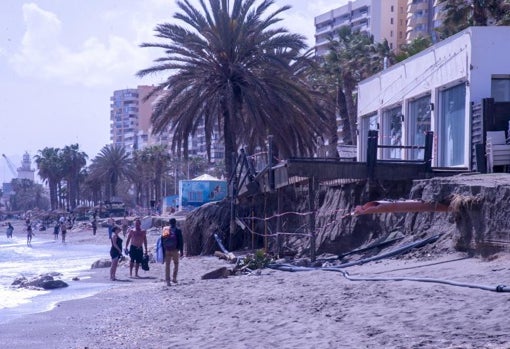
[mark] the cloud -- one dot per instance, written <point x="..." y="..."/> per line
<point x="96" y="62"/>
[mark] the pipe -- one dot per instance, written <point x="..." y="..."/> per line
<point x="406" y="248"/>
<point x="293" y="268"/>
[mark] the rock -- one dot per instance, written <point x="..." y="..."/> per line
<point x="44" y="281"/>
<point x="101" y="263"/>
<point x="53" y="284"/>
<point x="219" y="273"/>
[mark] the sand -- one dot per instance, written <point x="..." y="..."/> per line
<point x="279" y="309"/>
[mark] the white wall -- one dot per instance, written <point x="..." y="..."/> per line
<point x="471" y="56"/>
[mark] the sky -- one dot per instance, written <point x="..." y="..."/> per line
<point x="61" y="60"/>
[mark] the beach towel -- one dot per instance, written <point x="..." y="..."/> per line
<point x="160" y="251"/>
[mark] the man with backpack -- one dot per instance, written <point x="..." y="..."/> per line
<point x="172" y="242"/>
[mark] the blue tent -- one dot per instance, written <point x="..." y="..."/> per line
<point x="201" y="190"/>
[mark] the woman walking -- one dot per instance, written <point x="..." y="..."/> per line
<point x="115" y="252"/>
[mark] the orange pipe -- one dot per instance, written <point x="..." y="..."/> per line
<point x="399" y="206"/>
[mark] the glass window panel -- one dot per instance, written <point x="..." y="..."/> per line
<point x="453" y="126"/>
<point x="392" y="132"/>
<point x="419" y="125"/>
<point x="500" y="89"/>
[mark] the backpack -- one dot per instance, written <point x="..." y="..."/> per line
<point x="169" y="238"/>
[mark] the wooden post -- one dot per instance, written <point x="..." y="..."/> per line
<point x="311" y="208"/>
<point x="427" y="154"/>
<point x="371" y="152"/>
<point x="481" y="159"/>
<point x="279" y="223"/>
<point x="233" y="198"/>
<point x="270" y="162"/>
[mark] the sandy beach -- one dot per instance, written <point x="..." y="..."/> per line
<point x="281" y="309"/>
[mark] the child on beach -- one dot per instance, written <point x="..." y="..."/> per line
<point x="56" y="230"/>
<point x="30" y="233"/>
<point x="9" y="230"/>
<point x="63" y="230"/>
<point x="94" y="226"/>
<point x="115" y="251"/>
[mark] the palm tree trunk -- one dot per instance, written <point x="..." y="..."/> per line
<point x="229" y="142"/>
<point x="341" y="106"/>
<point x="351" y="107"/>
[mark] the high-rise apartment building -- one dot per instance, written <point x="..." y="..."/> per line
<point x="130" y="117"/>
<point x="421" y="20"/>
<point x="131" y="125"/>
<point x="384" y="19"/>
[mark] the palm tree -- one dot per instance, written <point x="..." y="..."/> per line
<point x="152" y="164"/>
<point x="50" y="168"/>
<point x="110" y="165"/>
<point x="352" y="57"/>
<point x="229" y="67"/>
<point x="460" y="14"/>
<point x="417" y="45"/>
<point x="73" y="161"/>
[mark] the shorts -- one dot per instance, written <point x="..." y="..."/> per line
<point x="136" y="254"/>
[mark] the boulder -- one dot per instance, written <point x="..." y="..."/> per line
<point x="219" y="273"/>
<point x="101" y="263"/>
<point x="44" y="281"/>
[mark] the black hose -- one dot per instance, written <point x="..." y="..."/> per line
<point x="398" y="251"/>
<point x="404" y="249"/>
<point x="292" y="268"/>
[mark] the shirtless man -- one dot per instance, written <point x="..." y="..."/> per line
<point x="138" y="239"/>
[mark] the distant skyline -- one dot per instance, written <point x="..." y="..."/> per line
<point x="60" y="62"/>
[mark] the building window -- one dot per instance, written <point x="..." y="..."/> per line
<point x="392" y="132"/>
<point x="418" y="120"/>
<point x="500" y="89"/>
<point x="391" y="20"/>
<point x="452" y="126"/>
<point x="391" y="8"/>
<point x="391" y="33"/>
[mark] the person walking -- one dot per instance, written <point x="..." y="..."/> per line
<point x="115" y="252"/>
<point x="56" y="230"/>
<point x="94" y="226"/>
<point x="138" y="239"/>
<point x="9" y="230"/>
<point x="172" y="242"/>
<point x="125" y="225"/>
<point x="63" y="230"/>
<point x="30" y="234"/>
<point x="110" y="223"/>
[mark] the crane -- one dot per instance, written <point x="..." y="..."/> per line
<point x="11" y="166"/>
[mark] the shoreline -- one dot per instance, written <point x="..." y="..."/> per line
<point x="281" y="309"/>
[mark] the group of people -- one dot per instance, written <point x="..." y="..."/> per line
<point x="61" y="227"/>
<point x="136" y="249"/>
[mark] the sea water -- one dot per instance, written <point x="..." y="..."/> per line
<point x="45" y="256"/>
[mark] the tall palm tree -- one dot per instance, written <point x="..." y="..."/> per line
<point x="230" y="68"/>
<point x="152" y="163"/>
<point x="110" y="165"/>
<point x="50" y="169"/>
<point x="73" y="161"/>
<point x="355" y="56"/>
<point x="460" y="14"/>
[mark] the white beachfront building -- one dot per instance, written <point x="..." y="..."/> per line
<point x="434" y="91"/>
